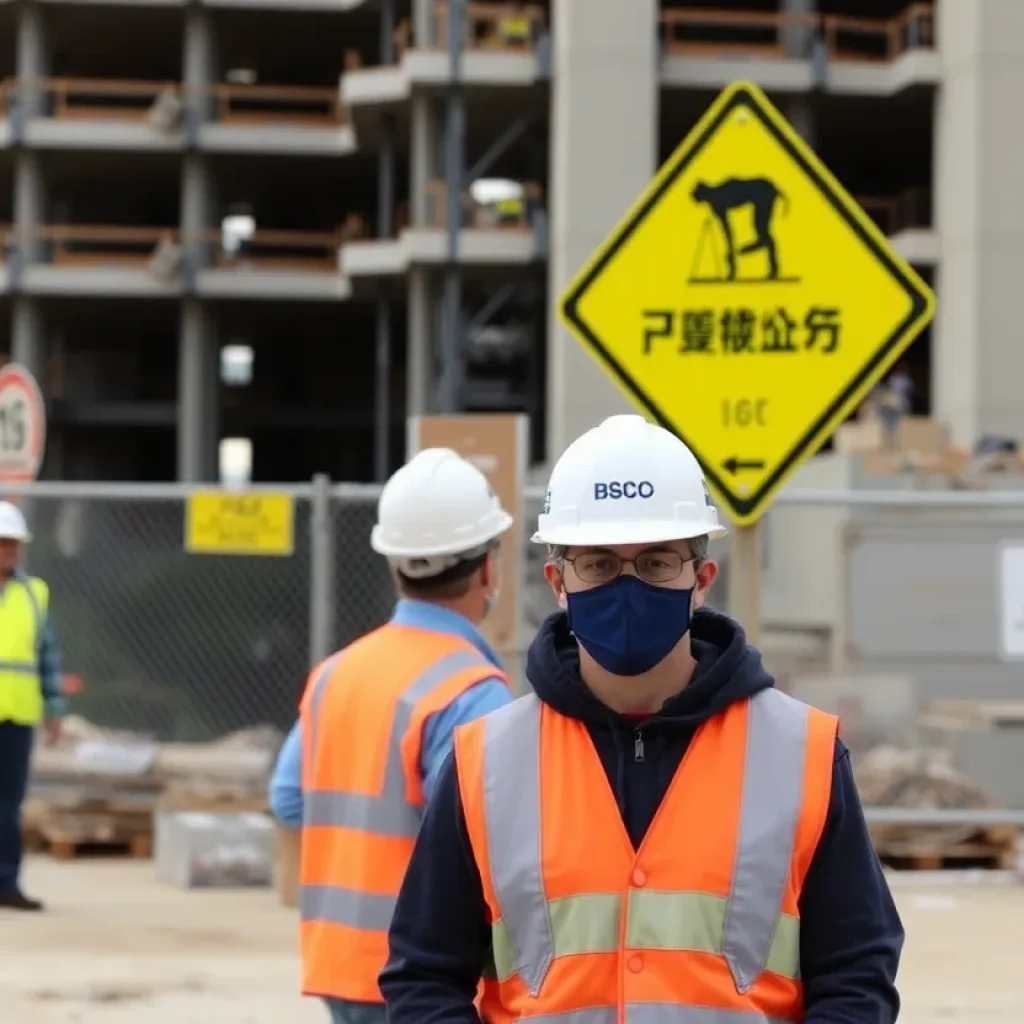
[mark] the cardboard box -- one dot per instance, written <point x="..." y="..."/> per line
<point x="859" y="436"/>
<point x="922" y="434"/>
<point x="287" y="857"/>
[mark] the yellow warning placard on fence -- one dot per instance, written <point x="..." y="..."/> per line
<point x="218" y="523"/>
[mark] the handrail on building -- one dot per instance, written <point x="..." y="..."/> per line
<point x="718" y="33"/>
<point x="108" y="244"/>
<point x="494" y="27"/>
<point x="131" y="99"/>
<point x="260" y="104"/>
<point x="273" y="249"/>
<point x="908" y="209"/>
<point x="509" y="27"/>
<point x="91" y="244"/>
<point x="503" y="215"/>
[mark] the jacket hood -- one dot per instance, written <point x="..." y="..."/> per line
<point x="728" y="669"/>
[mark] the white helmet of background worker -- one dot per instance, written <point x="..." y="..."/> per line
<point x="434" y="512"/>
<point x="626" y="481"/>
<point x="12" y="523"/>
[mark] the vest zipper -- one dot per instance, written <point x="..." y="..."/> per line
<point x="638" y="745"/>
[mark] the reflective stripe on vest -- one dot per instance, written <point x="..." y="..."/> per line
<point x="388" y="814"/>
<point x="747" y="928"/>
<point x="654" y="1013"/>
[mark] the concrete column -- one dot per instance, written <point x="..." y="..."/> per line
<point x="31" y="58"/>
<point x="196" y="193"/>
<point x="800" y="112"/>
<point x="29" y="202"/>
<point x="387" y="32"/>
<point x="798" y="28"/>
<point x="56" y="464"/>
<point x="422" y="23"/>
<point x="198" y="351"/>
<point x="423" y="163"/>
<point x="386" y="179"/>
<point x="28" y="336"/>
<point x="604" y="141"/>
<point x="199" y="63"/>
<point x="419" y="363"/>
<point x="382" y="391"/>
<point x="199" y="215"/>
<point x="977" y="349"/>
<point x="198" y="395"/>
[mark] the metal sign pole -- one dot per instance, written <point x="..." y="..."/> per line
<point x="745" y="559"/>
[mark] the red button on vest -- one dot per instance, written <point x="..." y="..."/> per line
<point x="639" y="878"/>
<point x="636" y="963"/>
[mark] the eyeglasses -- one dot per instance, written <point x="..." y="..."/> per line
<point x="651" y="566"/>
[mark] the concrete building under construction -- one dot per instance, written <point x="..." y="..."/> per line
<point x="285" y="224"/>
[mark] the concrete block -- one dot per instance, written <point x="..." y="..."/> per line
<point x="194" y="850"/>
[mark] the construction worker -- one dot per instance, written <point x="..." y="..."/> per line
<point x="377" y="720"/>
<point x="656" y="835"/>
<point x="31" y="693"/>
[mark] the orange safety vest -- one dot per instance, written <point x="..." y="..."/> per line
<point x="701" y="925"/>
<point x="362" y="718"/>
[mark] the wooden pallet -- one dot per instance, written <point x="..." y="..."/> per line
<point x="96" y="827"/>
<point x="72" y="847"/>
<point x="992" y="848"/>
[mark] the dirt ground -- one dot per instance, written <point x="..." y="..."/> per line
<point x="118" y="947"/>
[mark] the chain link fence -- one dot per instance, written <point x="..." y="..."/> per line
<point x="185" y="646"/>
<point x="175" y="645"/>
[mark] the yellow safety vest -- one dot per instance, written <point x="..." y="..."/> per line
<point x="24" y="605"/>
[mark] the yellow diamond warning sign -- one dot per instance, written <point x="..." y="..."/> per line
<point x="746" y="301"/>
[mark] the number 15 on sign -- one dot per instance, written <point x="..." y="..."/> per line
<point x="22" y="425"/>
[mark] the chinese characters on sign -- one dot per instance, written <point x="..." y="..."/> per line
<point x="734" y="331"/>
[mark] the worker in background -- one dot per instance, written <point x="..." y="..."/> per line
<point x="31" y="693"/>
<point x="657" y="834"/>
<point x="377" y="720"/>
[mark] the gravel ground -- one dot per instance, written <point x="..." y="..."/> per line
<point x="118" y="947"/>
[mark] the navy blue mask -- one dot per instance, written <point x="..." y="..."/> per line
<point x="628" y="626"/>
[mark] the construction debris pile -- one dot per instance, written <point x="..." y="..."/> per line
<point x="103" y="787"/>
<point x="921" y="445"/>
<point x="922" y="778"/>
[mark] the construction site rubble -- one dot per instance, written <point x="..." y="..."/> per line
<point x="242" y="759"/>
<point x="103" y="787"/>
<point x="925" y="778"/>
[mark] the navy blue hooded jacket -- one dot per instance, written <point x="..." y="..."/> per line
<point x="850" y="932"/>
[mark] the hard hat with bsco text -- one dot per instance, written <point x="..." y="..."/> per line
<point x="626" y="481"/>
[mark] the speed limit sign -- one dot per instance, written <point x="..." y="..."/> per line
<point x="22" y="425"/>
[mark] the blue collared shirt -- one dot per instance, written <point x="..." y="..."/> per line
<point x="285" y="791"/>
<point x="51" y="675"/>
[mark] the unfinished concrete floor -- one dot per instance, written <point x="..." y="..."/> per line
<point x="118" y="947"/>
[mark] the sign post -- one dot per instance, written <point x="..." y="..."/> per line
<point x="22" y="425"/>
<point x="747" y="303"/>
<point x="497" y="445"/>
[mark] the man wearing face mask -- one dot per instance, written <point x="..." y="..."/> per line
<point x="656" y="835"/>
<point x="377" y="720"/>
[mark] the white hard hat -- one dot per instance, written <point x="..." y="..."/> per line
<point x="436" y="511"/>
<point x="626" y="481"/>
<point x="12" y="523"/>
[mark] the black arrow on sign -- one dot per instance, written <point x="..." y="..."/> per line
<point x="736" y="465"/>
